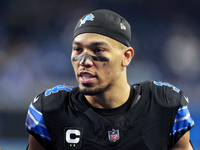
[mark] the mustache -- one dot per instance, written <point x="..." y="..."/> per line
<point x="85" y="56"/>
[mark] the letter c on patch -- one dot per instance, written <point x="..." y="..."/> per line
<point x="70" y="132"/>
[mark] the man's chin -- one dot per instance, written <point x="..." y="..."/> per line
<point x="89" y="89"/>
<point x="86" y="91"/>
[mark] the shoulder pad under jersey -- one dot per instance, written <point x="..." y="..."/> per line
<point x="167" y="94"/>
<point x="51" y="99"/>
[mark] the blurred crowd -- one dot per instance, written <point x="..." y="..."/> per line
<point x="36" y="36"/>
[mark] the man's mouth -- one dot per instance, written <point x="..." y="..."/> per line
<point x="85" y="77"/>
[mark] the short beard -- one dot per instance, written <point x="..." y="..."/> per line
<point x="96" y="91"/>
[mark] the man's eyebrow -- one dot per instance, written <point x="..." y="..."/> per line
<point x="100" y="43"/>
<point x="77" y="43"/>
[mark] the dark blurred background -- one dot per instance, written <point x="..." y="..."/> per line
<point x="35" y="47"/>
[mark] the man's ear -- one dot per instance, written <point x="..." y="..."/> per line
<point x="127" y="57"/>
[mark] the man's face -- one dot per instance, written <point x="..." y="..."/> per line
<point x="96" y="60"/>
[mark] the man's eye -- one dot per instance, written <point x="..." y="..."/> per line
<point x="99" y="50"/>
<point x="78" y="49"/>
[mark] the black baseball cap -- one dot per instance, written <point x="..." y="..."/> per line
<point x="105" y="22"/>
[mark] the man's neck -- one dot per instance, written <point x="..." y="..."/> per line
<point x="112" y="98"/>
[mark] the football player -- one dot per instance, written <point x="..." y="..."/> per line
<point x="105" y="111"/>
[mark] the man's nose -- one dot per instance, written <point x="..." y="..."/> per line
<point x="86" y="59"/>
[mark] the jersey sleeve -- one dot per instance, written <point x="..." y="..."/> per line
<point x="183" y="122"/>
<point x="35" y="124"/>
<point x="49" y="101"/>
<point x="176" y="101"/>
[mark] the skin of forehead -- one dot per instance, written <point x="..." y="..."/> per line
<point x="112" y="41"/>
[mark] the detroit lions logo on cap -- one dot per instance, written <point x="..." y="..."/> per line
<point x="88" y="17"/>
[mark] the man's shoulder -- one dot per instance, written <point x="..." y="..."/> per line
<point x="164" y="93"/>
<point x="53" y="98"/>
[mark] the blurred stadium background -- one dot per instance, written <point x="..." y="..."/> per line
<point x="35" y="47"/>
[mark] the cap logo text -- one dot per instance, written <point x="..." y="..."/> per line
<point x="123" y="27"/>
